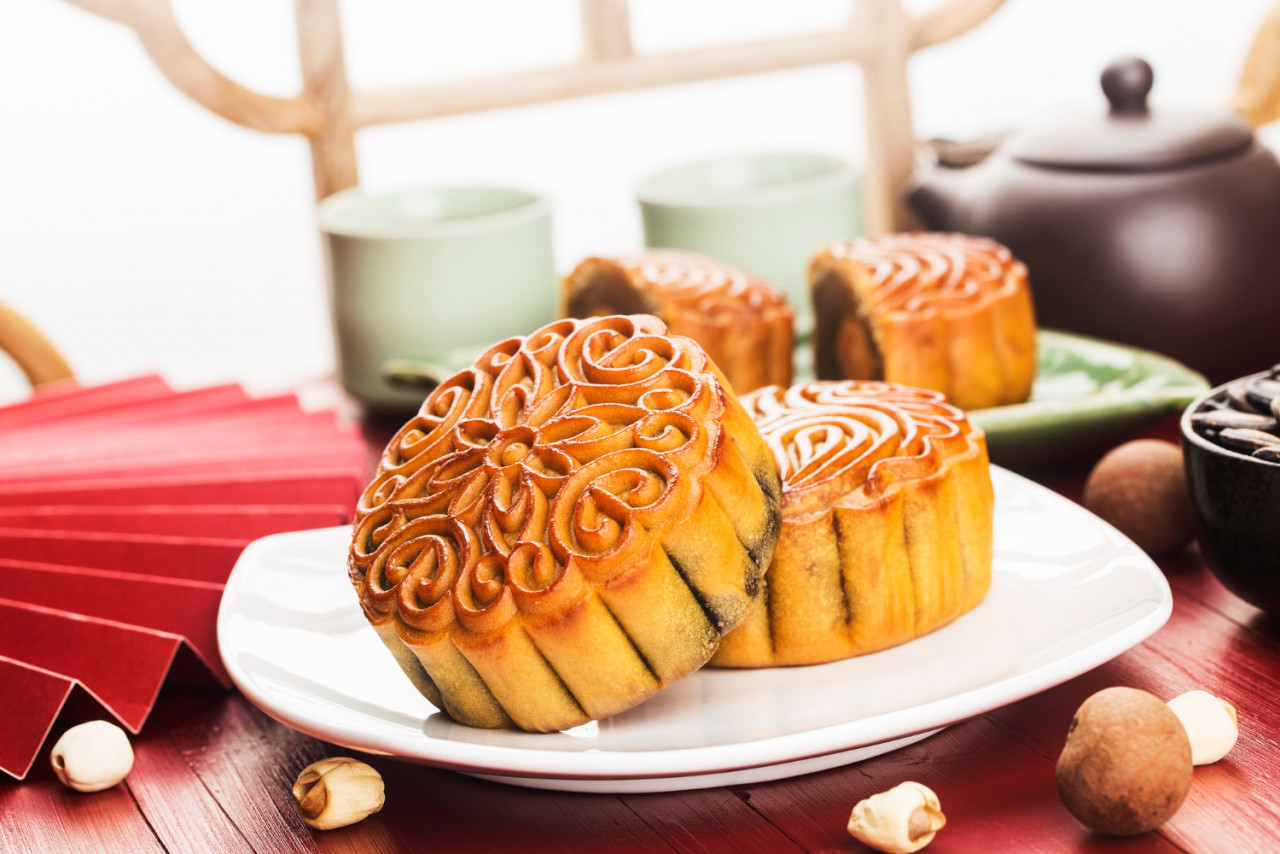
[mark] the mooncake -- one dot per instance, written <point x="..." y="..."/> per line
<point x="744" y="324"/>
<point x="886" y="522"/>
<point x="947" y="312"/>
<point x="566" y="527"/>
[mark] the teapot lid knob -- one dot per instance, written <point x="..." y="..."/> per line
<point x="1126" y="83"/>
<point x="1133" y="136"/>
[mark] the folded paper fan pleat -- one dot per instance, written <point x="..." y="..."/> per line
<point x="123" y="508"/>
<point x="236" y="522"/>
<point x="179" y="405"/>
<point x="199" y="461"/>
<point x="322" y="487"/>
<point x="122" y="665"/>
<point x="189" y="558"/>
<point x="163" y="441"/>
<point x="29" y="704"/>
<point x="62" y="401"/>
<point x="188" y="609"/>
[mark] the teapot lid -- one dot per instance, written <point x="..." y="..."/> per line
<point x="1130" y="136"/>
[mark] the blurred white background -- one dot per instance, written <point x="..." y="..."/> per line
<point x="142" y="233"/>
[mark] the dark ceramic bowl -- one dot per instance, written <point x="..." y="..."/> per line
<point x="1237" y="509"/>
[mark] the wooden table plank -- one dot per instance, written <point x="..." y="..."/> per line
<point x="181" y="812"/>
<point x="443" y="811"/>
<point x="250" y="771"/>
<point x="1198" y="648"/>
<point x="41" y="815"/>
<point x="1191" y="578"/>
<point x="705" y="821"/>
<point x="997" y="793"/>
<point x="249" y="762"/>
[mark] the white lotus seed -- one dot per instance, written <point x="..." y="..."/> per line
<point x="1210" y="723"/>
<point x="92" y="756"/>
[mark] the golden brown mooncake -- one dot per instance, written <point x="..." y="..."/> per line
<point x="567" y="527"/>
<point x="886" y="522"/>
<point x="946" y="312"/>
<point x="745" y="325"/>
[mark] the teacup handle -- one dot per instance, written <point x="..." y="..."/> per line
<point x="415" y="374"/>
<point x="38" y="359"/>
<point x="425" y="371"/>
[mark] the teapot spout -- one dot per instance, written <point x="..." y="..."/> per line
<point x="934" y="196"/>
<point x="943" y="181"/>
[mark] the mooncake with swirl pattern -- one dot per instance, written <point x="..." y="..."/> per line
<point x="947" y="312"/>
<point x="886" y="522"/>
<point x="744" y="324"/>
<point x="567" y="527"/>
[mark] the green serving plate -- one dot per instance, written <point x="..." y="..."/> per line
<point x="1087" y="393"/>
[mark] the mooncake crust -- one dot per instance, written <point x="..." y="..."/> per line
<point x="567" y="527"/>
<point x="947" y="312"/>
<point x="887" y="522"/>
<point x="744" y="324"/>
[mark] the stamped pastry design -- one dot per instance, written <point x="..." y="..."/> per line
<point x="947" y="312"/>
<point x="744" y="324"/>
<point x="887" y="522"/>
<point x="566" y="527"/>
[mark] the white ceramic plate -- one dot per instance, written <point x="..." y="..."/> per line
<point x="1068" y="593"/>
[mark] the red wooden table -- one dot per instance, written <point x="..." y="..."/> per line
<point x="213" y="774"/>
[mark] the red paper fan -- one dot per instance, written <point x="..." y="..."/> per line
<point x="123" y="507"/>
<point x="236" y="522"/>
<point x="63" y="401"/>
<point x="29" y="704"/>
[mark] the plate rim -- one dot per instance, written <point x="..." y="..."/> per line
<point x="604" y="765"/>
<point x="1100" y="406"/>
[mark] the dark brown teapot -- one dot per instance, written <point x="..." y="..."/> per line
<point x="1158" y="228"/>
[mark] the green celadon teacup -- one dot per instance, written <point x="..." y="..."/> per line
<point x="766" y="213"/>
<point x="428" y="274"/>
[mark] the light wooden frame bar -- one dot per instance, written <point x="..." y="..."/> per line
<point x="879" y="36"/>
<point x="34" y="355"/>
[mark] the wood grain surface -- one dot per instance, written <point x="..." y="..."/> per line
<point x="213" y="774"/>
